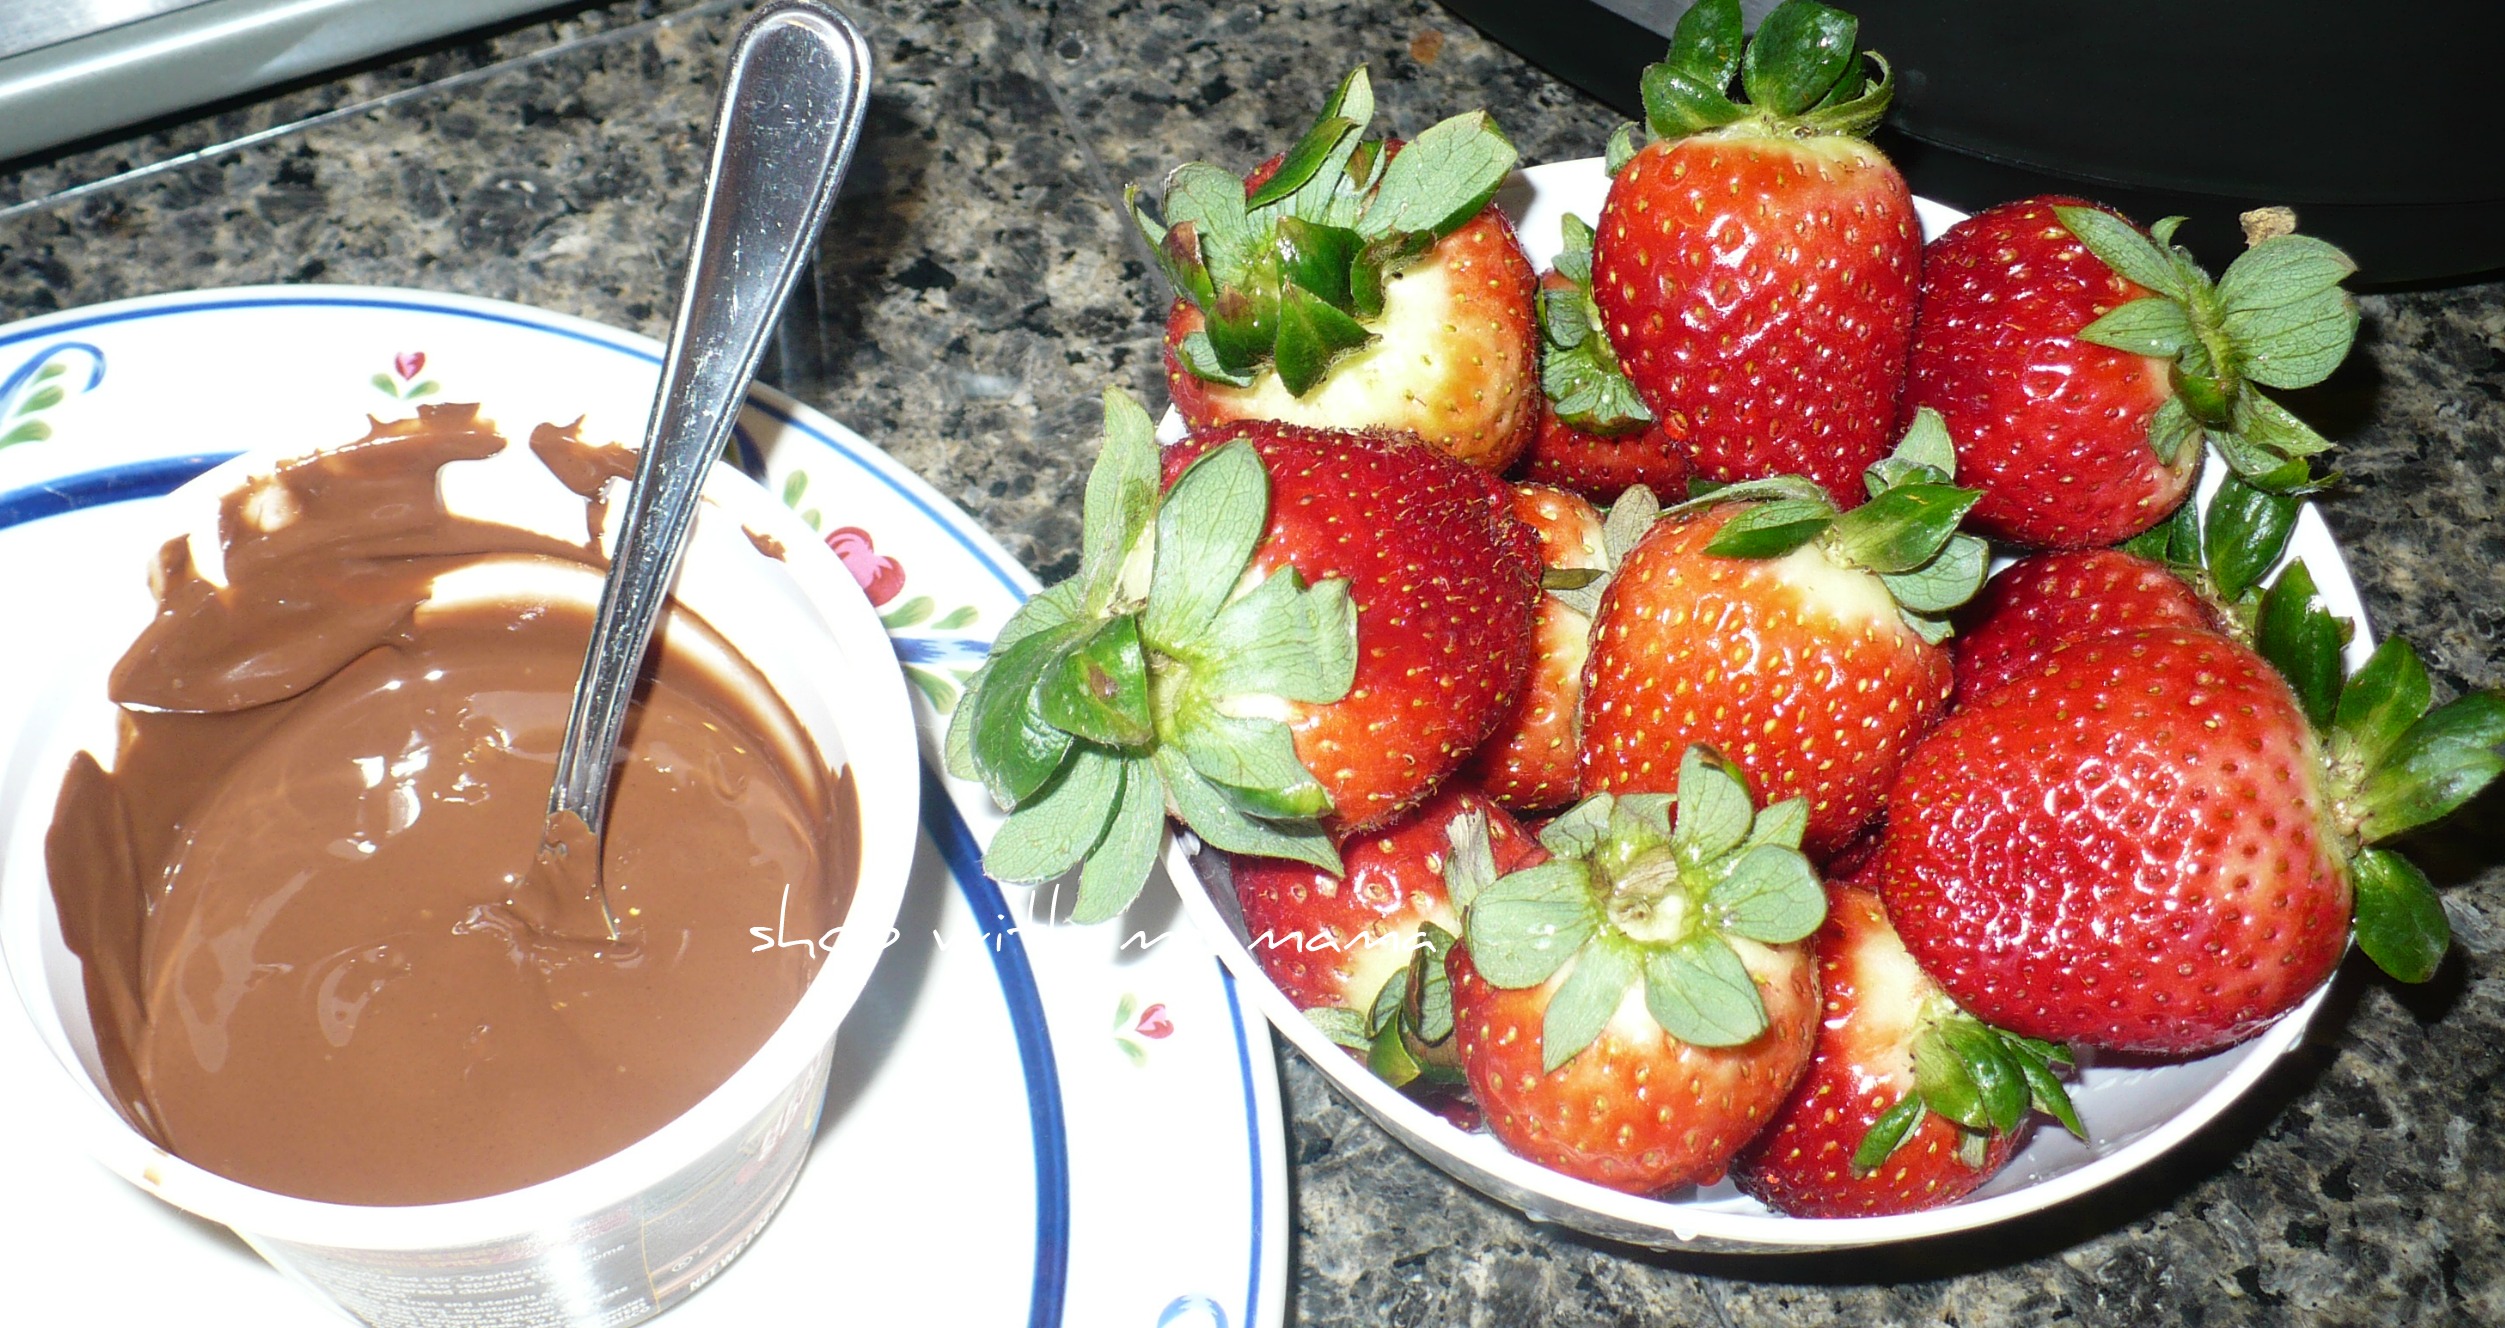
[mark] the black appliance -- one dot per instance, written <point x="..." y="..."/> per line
<point x="2381" y="124"/>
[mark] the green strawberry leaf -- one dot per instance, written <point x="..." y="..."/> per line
<point x="1099" y="689"/>
<point x="1707" y="43"/>
<point x="1771" y="529"/>
<point x="2171" y="428"/>
<point x="1284" y="639"/>
<point x="1215" y="818"/>
<point x="1781" y="824"/>
<point x="1641" y="819"/>
<point x="1207" y="528"/>
<point x="1925" y="455"/>
<point x="1903" y="528"/>
<point x="2437" y="764"/>
<point x="1888" y="1133"/>
<point x="2152" y="325"/>
<point x="1634" y="513"/>
<point x="2035" y="1061"/>
<point x="1772" y="895"/>
<point x="1199" y="357"/>
<point x="1211" y="201"/>
<point x="1253" y="762"/>
<point x="1801" y="51"/>
<point x="1050" y="832"/>
<point x="1177" y="251"/>
<point x="1578" y="369"/>
<point x="1311" y="335"/>
<point x="1574" y="255"/>
<point x="2267" y="425"/>
<point x="2298" y="344"/>
<point x="1317" y="258"/>
<point x="1121" y="505"/>
<point x="2381" y="701"/>
<point x="1243" y="326"/>
<point x="1312" y="152"/>
<point x="1441" y="179"/>
<point x="1701" y="994"/>
<point x="1012" y="747"/>
<point x="1603" y="970"/>
<point x="1997" y="1078"/>
<point x="1526" y="924"/>
<point x="2176" y="541"/>
<point x="1946" y="1081"/>
<point x="1470" y="866"/>
<point x="1676" y="104"/>
<point x="2246" y="530"/>
<point x="1564" y="321"/>
<point x="1111" y="876"/>
<point x="1621" y="148"/>
<point x="2121" y="246"/>
<point x="1945" y="582"/>
<point x="1341" y="1025"/>
<point x="2282" y="307"/>
<point x="1578" y="831"/>
<point x="2400" y="921"/>
<point x="2301" y="638"/>
<point x="1388" y="1055"/>
<point x="1714" y="807"/>
<point x="1430" y="1005"/>
<point x="1335" y="192"/>
<point x="1388" y="1000"/>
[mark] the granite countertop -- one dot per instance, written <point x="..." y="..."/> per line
<point x="976" y="292"/>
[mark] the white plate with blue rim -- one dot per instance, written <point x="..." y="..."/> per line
<point x="1029" y="1124"/>
<point x="2135" y="1110"/>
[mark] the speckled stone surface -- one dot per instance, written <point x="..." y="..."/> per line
<point x="974" y="295"/>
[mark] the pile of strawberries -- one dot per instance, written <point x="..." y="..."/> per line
<point x="1678" y="806"/>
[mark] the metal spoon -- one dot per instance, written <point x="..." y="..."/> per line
<point x="791" y="110"/>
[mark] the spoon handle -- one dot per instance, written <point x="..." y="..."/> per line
<point x="791" y="109"/>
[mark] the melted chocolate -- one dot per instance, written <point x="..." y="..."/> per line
<point x="316" y="955"/>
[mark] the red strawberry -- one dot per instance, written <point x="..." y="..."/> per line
<point x="1334" y="938"/>
<point x="1641" y="1087"/>
<point x="1595" y="436"/>
<point x="1445" y="583"/>
<point x="1341" y="945"/>
<point x="2079" y="363"/>
<point x="2141" y="846"/>
<point x="1756" y="263"/>
<point x="1909" y="1102"/>
<point x="1275" y="633"/>
<point x="1528" y="763"/>
<point x="1794" y="640"/>
<point x="2039" y="604"/>
<point x="1355" y="284"/>
<point x="1600" y="466"/>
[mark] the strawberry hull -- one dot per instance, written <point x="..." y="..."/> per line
<point x="2126" y="849"/>
<point x="1444" y="580"/>
<point x="1454" y="359"/>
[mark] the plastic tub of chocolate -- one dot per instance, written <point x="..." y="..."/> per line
<point x="276" y="927"/>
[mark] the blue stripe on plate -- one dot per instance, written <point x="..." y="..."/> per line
<point x="94" y="488"/>
<point x="1026" y="1015"/>
<point x="1252" y="1130"/>
<point x="148" y="479"/>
